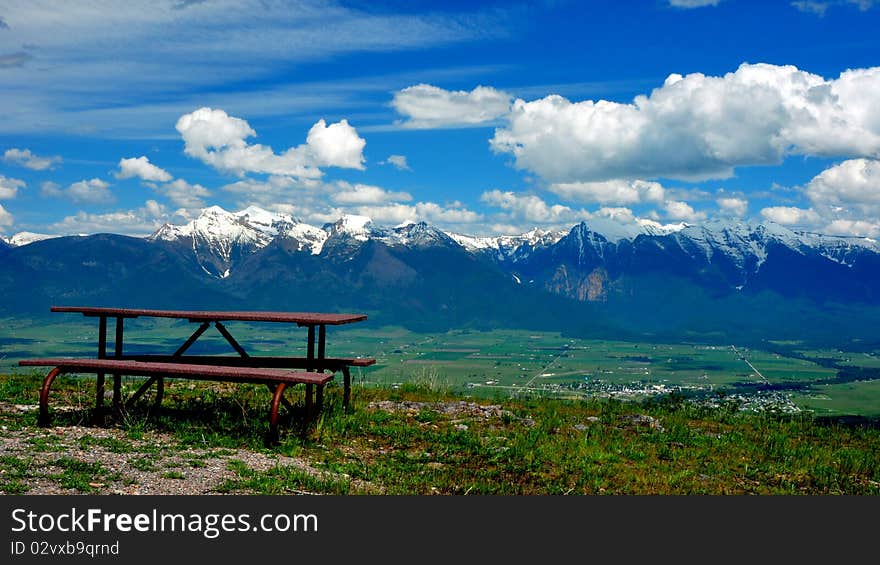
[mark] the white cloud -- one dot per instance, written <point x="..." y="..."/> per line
<point x="430" y="212"/>
<point x="318" y="202"/>
<point x="861" y="228"/>
<point x="142" y="168"/>
<point x="94" y="191"/>
<point x="812" y="7"/>
<point x="218" y="139"/>
<point x="26" y="158"/>
<point x="693" y="3"/>
<point x="855" y="182"/>
<point x="398" y="161"/>
<point x="336" y="145"/>
<point x="49" y="189"/>
<point x="183" y="194"/>
<point x="733" y="206"/>
<point x="9" y="187"/>
<point x="678" y="210"/>
<point x="616" y="191"/>
<point x="791" y="216"/>
<point x="5" y="218"/>
<point x="426" y="106"/>
<point x="366" y="194"/>
<point x="455" y="213"/>
<point x="626" y="217"/>
<point x="697" y="126"/>
<point x="140" y="222"/>
<point x="531" y="209"/>
<point x="820" y="7"/>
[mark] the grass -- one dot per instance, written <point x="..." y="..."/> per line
<point x="425" y="439"/>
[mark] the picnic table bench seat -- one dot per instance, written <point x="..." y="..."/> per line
<point x="277" y="379"/>
<point x="332" y="364"/>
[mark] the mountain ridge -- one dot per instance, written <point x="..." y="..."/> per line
<point x="722" y="278"/>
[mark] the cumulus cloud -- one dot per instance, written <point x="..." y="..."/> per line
<point x="425" y="106"/>
<point x="25" y="158"/>
<point x="183" y="194"/>
<point x="142" y="221"/>
<point x="846" y="197"/>
<point x="531" y="209"/>
<point x="791" y="216"/>
<point x="454" y="214"/>
<point x="860" y="228"/>
<point x="734" y="206"/>
<point x="336" y="145"/>
<point x="5" y="218"/>
<point x="94" y="191"/>
<point x="697" y="126"/>
<point x="219" y="140"/>
<point x="366" y="194"/>
<point x="142" y="168"/>
<point x="854" y="183"/>
<point x="616" y="191"/>
<point x="318" y="202"/>
<point x="398" y="161"/>
<point x="9" y="187"/>
<point x="624" y="217"/>
<point x="678" y="210"/>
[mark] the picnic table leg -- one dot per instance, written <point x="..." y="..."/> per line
<point x="43" y="420"/>
<point x="308" y="417"/>
<point x="277" y="396"/>
<point x="117" y="378"/>
<point x="346" y="387"/>
<point x="310" y="350"/>
<point x="98" y="416"/>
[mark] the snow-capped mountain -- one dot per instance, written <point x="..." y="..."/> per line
<point x="718" y="277"/>
<point x="508" y="247"/>
<point x="218" y="239"/>
<point x="25" y="237"/>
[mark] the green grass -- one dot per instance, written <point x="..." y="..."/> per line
<point x="13" y="472"/>
<point x="81" y="475"/>
<point x="436" y="441"/>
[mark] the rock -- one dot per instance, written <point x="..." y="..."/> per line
<point x="641" y="420"/>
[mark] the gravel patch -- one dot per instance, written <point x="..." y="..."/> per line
<point x="152" y="464"/>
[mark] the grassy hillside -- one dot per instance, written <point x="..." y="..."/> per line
<point x="419" y="439"/>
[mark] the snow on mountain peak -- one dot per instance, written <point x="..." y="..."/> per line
<point x="507" y="246"/>
<point x="26" y="237"/>
<point x="358" y="227"/>
<point x="615" y="231"/>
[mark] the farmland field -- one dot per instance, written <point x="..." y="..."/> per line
<point x="505" y="363"/>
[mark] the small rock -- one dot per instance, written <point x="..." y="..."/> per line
<point x="461" y="427"/>
<point x="642" y="420"/>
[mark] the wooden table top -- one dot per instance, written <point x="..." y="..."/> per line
<point x="302" y="318"/>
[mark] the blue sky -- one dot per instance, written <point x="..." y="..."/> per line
<point x="480" y="118"/>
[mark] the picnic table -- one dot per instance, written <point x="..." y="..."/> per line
<point x="314" y="369"/>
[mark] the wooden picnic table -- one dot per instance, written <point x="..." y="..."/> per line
<point x="243" y="366"/>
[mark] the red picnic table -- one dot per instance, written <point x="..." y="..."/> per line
<point x="243" y="367"/>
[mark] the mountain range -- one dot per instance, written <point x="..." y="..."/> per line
<point x="722" y="280"/>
